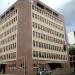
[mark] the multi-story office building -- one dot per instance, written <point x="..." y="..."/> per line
<point x="31" y="35"/>
<point x="71" y="37"/>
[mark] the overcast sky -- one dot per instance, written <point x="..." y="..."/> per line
<point x="65" y="7"/>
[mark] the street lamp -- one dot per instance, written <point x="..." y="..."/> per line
<point x="23" y="65"/>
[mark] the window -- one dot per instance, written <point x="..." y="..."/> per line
<point x="37" y="43"/>
<point x="33" y="33"/>
<point x="33" y="15"/>
<point x="40" y="54"/>
<point x="14" y="45"/>
<point x="35" y="53"/>
<point x="11" y="46"/>
<point x="34" y="43"/>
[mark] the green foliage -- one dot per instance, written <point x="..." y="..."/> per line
<point x="72" y="50"/>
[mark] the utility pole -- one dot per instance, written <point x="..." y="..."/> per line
<point x="23" y="64"/>
<point x="37" y="64"/>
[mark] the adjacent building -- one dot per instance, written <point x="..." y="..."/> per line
<point x="71" y="37"/>
<point x="32" y="38"/>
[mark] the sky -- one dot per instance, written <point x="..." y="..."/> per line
<point x="65" y="7"/>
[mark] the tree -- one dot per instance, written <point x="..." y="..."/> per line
<point x="72" y="58"/>
<point x="72" y="50"/>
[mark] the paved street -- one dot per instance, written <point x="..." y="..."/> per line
<point x="64" y="74"/>
<point x="70" y="73"/>
<point x="6" y="74"/>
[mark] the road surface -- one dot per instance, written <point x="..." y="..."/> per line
<point x="70" y="74"/>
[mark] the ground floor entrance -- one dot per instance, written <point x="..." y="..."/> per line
<point x="2" y="68"/>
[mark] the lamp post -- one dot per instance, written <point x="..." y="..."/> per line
<point x="37" y="65"/>
<point x="23" y="64"/>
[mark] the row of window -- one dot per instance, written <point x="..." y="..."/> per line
<point x="9" y="23"/>
<point x="45" y="13"/>
<point x="8" y="39"/>
<point x="48" y="30"/>
<point x="12" y="66"/>
<point x="48" y="22"/>
<point x="46" y="46"/>
<point x="8" y="16"/>
<point x="46" y="37"/>
<point x="41" y="67"/>
<point x="8" y="47"/>
<point x="12" y="29"/>
<point x="48" y="55"/>
<point x="8" y="56"/>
